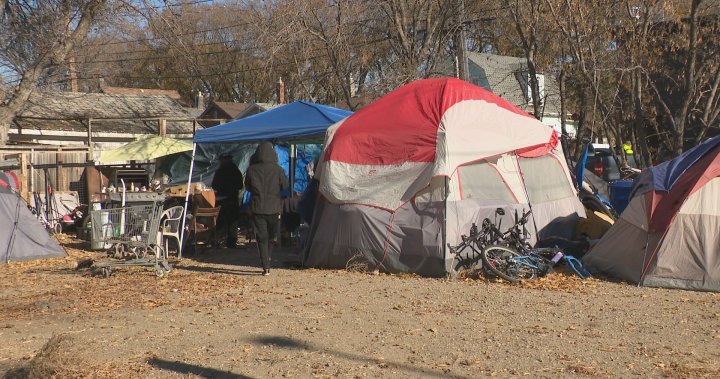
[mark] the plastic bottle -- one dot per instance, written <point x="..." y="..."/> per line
<point x="555" y="259"/>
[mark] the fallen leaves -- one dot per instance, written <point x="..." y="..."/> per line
<point x="128" y="287"/>
<point x="561" y="281"/>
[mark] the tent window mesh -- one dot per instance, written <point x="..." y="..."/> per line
<point x="545" y="179"/>
<point x="483" y="182"/>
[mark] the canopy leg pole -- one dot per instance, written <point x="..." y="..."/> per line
<point x="187" y="198"/>
<point x="291" y="169"/>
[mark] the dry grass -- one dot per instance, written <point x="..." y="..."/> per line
<point x="358" y="263"/>
<point x="677" y="370"/>
<point x="561" y="280"/>
<point x="52" y="361"/>
<point x="79" y="291"/>
<point x="58" y="359"/>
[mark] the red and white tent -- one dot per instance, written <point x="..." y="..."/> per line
<point x="409" y="173"/>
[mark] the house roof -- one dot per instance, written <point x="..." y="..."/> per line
<point x="255" y="108"/>
<point x="231" y="109"/>
<point x="193" y="112"/>
<point x="223" y="109"/>
<point x="171" y="93"/>
<point x="109" y="113"/>
<point x="506" y="77"/>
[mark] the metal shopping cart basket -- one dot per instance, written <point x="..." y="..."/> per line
<point x="132" y="233"/>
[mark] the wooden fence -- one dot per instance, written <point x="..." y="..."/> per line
<point x="61" y="168"/>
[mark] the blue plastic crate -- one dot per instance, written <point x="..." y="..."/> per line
<point x="620" y="194"/>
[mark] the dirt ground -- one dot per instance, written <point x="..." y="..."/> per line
<point x="215" y="316"/>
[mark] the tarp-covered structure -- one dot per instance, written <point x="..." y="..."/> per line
<point x="668" y="235"/>
<point x="22" y="237"/>
<point x="408" y="174"/>
<point x="301" y="123"/>
<point x="207" y="161"/>
<point x="298" y="122"/>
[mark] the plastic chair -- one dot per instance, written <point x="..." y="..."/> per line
<point x="170" y="228"/>
<point x="204" y="226"/>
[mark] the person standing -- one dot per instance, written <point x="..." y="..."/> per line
<point x="265" y="179"/>
<point x="227" y="183"/>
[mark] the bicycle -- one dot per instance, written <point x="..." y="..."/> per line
<point x="467" y="261"/>
<point x="512" y="266"/>
<point x="475" y="241"/>
<point x="511" y="257"/>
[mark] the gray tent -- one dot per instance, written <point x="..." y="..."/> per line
<point x="668" y="234"/>
<point x="22" y="237"/>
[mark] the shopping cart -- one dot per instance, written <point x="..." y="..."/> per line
<point x="132" y="233"/>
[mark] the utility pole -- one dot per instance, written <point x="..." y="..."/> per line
<point x="72" y="74"/>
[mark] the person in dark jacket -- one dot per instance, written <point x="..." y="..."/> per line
<point x="227" y="183"/>
<point x="265" y="179"/>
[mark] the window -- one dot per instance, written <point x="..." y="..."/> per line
<point x="482" y="181"/>
<point x="545" y="179"/>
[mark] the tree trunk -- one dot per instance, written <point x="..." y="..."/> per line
<point x="57" y="53"/>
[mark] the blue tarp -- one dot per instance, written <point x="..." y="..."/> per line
<point x="295" y="121"/>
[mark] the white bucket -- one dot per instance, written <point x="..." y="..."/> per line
<point x="107" y="231"/>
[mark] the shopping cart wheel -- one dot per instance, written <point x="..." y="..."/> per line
<point x="106" y="272"/>
<point x="119" y="251"/>
<point x="139" y="252"/>
<point x="158" y="251"/>
<point x="57" y="229"/>
<point x="159" y="272"/>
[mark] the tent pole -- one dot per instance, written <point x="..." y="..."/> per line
<point x="291" y="187"/>
<point x="448" y="270"/>
<point x="291" y="169"/>
<point x="187" y="198"/>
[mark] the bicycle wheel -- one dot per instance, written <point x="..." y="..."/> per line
<point x="499" y="261"/>
<point x="524" y="268"/>
<point x="466" y="258"/>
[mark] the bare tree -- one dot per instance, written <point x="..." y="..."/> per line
<point x="683" y="74"/>
<point x="526" y="16"/>
<point x="419" y="32"/>
<point x="36" y="36"/>
<point x="587" y="29"/>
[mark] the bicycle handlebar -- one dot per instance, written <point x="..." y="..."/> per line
<point x="524" y="217"/>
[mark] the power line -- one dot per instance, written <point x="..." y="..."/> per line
<point x="165" y="56"/>
<point x="213" y="30"/>
<point x="180" y="4"/>
<point x="175" y="35"/>
<point x="211" y="74"/>
<point x="158" y="57"/>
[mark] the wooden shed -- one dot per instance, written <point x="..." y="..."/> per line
<point x="60" y="134"/>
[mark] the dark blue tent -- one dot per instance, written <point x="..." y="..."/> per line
<point x="299" y="120"/>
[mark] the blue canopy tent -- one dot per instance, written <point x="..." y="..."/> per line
<point x="300" y="122"/>
<point x="297" y="121"/>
